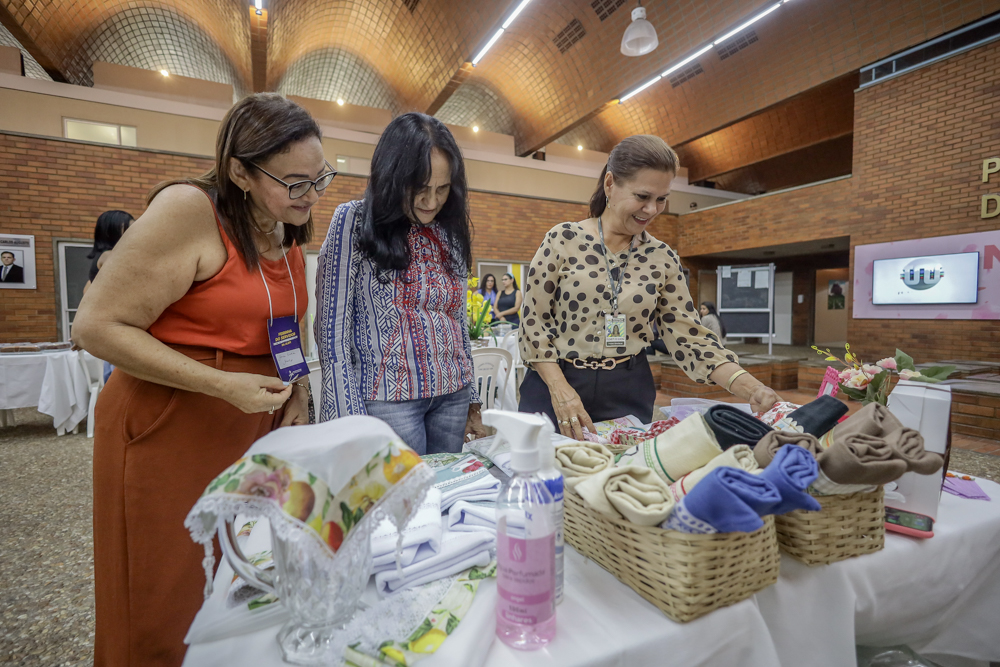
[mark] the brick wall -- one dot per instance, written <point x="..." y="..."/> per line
<point x="919" y="143"/>
<point x="55" y="189"/>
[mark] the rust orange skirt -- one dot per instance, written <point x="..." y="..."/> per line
<point x="155" y="451"/>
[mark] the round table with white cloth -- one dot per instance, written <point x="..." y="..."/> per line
<point x="55" y="382"/>
<point x="941" y="596"/>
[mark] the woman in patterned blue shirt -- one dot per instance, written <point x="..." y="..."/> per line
<point x="391" y="293"/>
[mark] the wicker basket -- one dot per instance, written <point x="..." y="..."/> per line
<point x="685" y="576"/>
<point x="847" y="526"/>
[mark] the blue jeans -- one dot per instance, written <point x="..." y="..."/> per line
<point x="427" y="425"/>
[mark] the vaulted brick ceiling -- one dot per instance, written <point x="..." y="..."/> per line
<point x="553" y="76"/>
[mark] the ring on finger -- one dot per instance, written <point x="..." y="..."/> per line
<point x="575" y="420"/>
<point x="271" y="411"/>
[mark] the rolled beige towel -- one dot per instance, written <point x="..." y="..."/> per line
<point x="861" y="459"/>
<point x="737" y="456"/>
<point x="873" y="419"/>
<point x="581" y="459"/>
<point x="908" y="445"/>
<point x="672" y="454"/>
<point x="769" y="445"/>
<point x="633" y="492"/>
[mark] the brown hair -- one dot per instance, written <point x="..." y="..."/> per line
<point x="257" y="127"/>
<point x="641" y="151"/>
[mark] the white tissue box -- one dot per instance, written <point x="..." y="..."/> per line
<point x="926" y="408"/>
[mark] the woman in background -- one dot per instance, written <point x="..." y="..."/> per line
<point x="391" y="293"/>
<point x="108" y="230"/>
<point x="710" y="318"/>
<point x="508" y="305"/>
<point x="182" y="310"/>
<point x="488" y="288"/>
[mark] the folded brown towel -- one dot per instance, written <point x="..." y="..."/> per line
<point x="908" y="445"/>
<point x="769" y="445"/>
<point x="873" y="419"/>
<point x="861" y="459"/>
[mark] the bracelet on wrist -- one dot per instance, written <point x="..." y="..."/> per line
<point x="732" y="378"/>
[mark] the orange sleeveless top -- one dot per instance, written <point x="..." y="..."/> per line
<point x="229" y="311"/>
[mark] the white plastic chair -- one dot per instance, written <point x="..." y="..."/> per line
<point x="94" y="370"/>
<point x="487" y="365"/>
<point x="519" y="368"/>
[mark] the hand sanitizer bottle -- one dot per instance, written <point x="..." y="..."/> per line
<point x="526" y="537"/>
<point x="554" y="482"/>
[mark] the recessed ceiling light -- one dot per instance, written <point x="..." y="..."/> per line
<point x="164" y="72"/>
<point x="475" y="128"/>
<point x="340" y="101"/>
<point x="579" y="147"/>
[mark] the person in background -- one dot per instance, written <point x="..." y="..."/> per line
<point x="107" y="232"/>
<point x="488" y="288"/>
<point x="182" y="311"/>
<point x="604" y="274"/>
<point x="391" y="293"/>
<point x="710" y="318"/>
<point x="508" y="305"/>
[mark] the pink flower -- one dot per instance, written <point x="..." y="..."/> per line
<point x="872" y="371"/>
<point x="267" y="485"/>
<point x="888" y="363"/>
<point x="858" y="380"/>
<point x="845" y="375"/>
<point x="907" y="375"/>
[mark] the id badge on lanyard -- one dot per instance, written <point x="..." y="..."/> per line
<point x="614" y="330"/>
<point x="615" y="334"/>
<point x="283" y="336"/>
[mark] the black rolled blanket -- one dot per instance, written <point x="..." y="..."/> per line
<point x="735" y="427"/>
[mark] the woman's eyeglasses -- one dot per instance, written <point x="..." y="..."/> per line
<point x="300" y="188"/>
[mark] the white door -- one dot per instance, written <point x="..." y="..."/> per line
<point x="74" y="271"/>
<point x="783" y="308"/>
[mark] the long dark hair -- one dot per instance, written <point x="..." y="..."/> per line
<point x="713" y="311"/>
<point x="401" y="165"/>
<point x="257" y="127"/>
<point x="108" y="230"/>
<point x="641" y="151"/>
<point x="513" y="280"/>
<point x="486" y="279"/>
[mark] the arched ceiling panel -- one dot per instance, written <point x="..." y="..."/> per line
<point x="204" y="37"/>
<point x="329" y="74"/>
<point x="479" y="104"/>
<point x="31" y="67"/>
<point x="416" y="52"/>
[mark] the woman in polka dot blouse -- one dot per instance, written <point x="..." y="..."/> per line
<point x="588" y="314"/>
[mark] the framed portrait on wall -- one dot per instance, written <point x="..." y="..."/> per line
<point x="17" y="261"/>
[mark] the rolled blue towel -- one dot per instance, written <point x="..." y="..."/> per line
<point x="726" y="500"/>
<point x="792" y="470"/>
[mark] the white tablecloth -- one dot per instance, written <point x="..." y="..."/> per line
<point x="53" y="381"/>
<point x="941" y="596"/>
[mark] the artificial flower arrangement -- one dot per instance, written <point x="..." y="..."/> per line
<point x="478" y="310"/>
<point x="871" y="383"/>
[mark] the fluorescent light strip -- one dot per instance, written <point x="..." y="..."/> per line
<point x="489" y="44"/>
<point x="686" y="60"/>
<point x="747" y="24"/>
<point x="639" y="89"/>
<point x="510" y="19"/>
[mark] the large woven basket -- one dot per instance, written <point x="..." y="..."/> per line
<point x="847" y="526"/>
<point x="685" y="576"/>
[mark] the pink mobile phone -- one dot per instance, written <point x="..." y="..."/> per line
<point x="908" y="523"/>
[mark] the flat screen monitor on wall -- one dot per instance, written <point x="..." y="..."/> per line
<point x="926" y="280"/>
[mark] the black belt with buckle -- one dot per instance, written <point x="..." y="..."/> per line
<point x="600" y="363"/>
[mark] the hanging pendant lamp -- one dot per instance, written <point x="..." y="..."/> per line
<point x="640" y="37"/>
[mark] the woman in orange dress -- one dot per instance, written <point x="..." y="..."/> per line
<point x="181" y="310"/>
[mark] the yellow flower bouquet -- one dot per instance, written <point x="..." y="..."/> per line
<point x="478" y="310"/>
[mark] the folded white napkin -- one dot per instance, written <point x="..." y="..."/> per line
<point x="466" y="517"/>
<point x="459" y="551"/>
<point x="482" y="487"/>
<point x="634" y="492"/>
<point x="737" y="456"/>
<point x="424" y="528"/>
<point x="577" y="460"/>
<point x="824" y="486"/>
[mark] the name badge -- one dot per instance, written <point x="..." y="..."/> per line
<point x="286" y="348"/>
<point x="614" y="330"/>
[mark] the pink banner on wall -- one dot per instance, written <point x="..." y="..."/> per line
<point x="987" y="302"/>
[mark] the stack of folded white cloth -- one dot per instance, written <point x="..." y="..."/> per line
<point x="430" y="549"/>
<point x="424" y="529"/>
<point x="467" y="479"/>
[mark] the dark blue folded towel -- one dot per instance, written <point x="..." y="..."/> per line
<point x="731" y="500"/>
<point x="792" y="470"/>
<point x="816" y="417"/>
<point x="732" y="426"/>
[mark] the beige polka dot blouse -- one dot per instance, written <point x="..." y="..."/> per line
<point x="566" y="294"/>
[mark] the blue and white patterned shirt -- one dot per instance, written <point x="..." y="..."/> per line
<point x="404" y="339"/>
